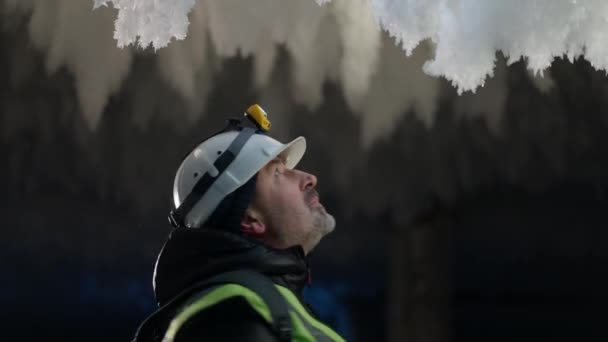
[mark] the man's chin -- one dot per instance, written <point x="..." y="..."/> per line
<point x="326" y="224"/>
<point x="329" y="224"/>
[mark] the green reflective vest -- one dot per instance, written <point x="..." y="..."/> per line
<point x="304" y="326"/>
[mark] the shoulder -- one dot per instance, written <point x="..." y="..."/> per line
<point x="231" y="319"/>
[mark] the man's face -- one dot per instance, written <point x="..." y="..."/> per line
<point x="289" y="207"/>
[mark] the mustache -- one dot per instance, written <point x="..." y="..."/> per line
<point x="310" y="194"/>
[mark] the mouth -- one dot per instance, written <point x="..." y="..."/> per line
<point x="314" y="200"/>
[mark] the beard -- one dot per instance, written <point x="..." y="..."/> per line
<point x="300" y="225"/>
<point x="323" y="222"/>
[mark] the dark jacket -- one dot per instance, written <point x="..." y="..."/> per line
<point x="192" y="255"/>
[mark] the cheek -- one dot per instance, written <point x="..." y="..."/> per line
<point x="282" y="198"/>
<point x="284" y="192"/>
<point x="291" y="195"/>
<point x="287" y="203"/>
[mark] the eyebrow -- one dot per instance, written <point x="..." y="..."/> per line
<point x="278" y="160"/>
<point x="274" y="162"/>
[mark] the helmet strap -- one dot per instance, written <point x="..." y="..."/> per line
<point x="177" y="216"/>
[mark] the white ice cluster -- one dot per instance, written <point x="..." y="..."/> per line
<point x="149" y="22"/>
<point x="467" y="33"/>
<point x="336" y="40"/>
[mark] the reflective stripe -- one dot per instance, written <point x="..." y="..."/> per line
<point x="299" y="332"/>
<point x="295" y="303"/>
<point x="318" y="335"/>
<point x="305" y="328"/>
<point x="219" y="294"/>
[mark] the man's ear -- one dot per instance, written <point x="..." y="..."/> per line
<point x="252" y="223"/>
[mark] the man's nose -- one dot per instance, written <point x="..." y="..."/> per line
<point x="307" y="181"/>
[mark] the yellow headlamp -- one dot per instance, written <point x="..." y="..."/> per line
<point x="258" y="116"/>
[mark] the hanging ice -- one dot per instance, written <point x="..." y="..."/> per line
<point x="149" y="22"/>
<point x="467" y="33"/>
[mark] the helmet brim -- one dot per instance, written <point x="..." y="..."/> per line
<point x="292" y="152"/>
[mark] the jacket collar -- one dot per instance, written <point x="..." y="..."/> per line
<point x="192" y="255"/>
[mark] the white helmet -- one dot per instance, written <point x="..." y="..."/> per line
<point x="223" y="163"/>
